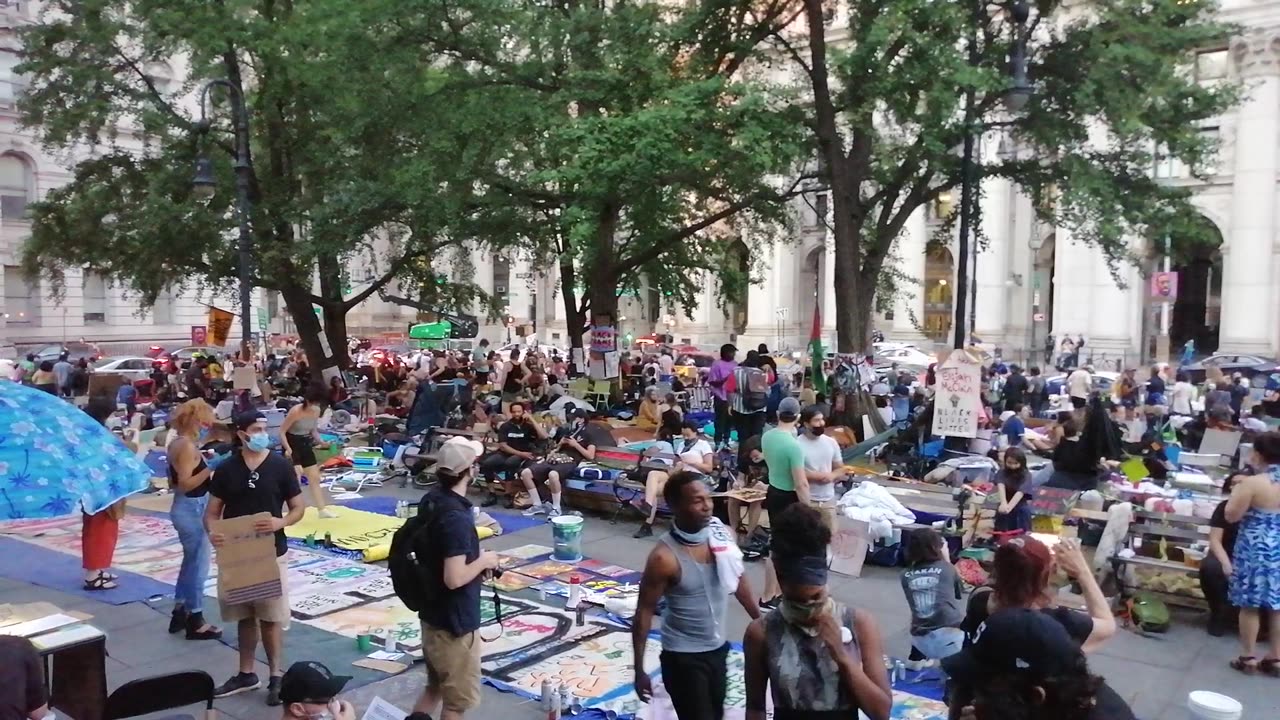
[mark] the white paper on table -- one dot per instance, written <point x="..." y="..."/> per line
<point x="380" y="709"/>
<point x="38" y="625"/>
<point x="63" y="638"/>
<point x="384" y="655"/>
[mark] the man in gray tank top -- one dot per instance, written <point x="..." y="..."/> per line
<point x="682" y="569"/>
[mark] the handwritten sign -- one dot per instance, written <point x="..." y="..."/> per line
<point x="604" y="339"/>
<point x="309" y="606"/>
<point x="849" y="545"/>
<point x="958" y="402"/>
<point x="247" y="569"/>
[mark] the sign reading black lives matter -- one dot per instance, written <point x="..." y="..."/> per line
<point x="957" y="405"/>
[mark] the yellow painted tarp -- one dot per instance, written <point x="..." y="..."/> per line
<point x="365" y="532"/>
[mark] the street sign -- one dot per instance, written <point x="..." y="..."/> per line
<point x="262" y="318"/>
<point x="524" y="276"/>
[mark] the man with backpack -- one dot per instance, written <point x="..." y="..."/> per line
<point x="436" y="568"/>
<point x="749" y="396"/>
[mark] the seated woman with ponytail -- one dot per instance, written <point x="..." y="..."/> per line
<point x="818" y="658"/>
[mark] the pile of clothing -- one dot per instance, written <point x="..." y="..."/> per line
<point x="878" y="507"/>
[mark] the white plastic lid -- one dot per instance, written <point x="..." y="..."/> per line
<point x="1215" y="703"/>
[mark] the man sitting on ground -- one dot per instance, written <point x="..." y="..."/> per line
<point x="575" y="443"/>
<point x="516" y="438"/>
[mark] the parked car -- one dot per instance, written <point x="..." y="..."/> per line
<point x="74" y="350"/>
<point x="182" y="356"/>
<point x="130" y="367"/>
<point x="907" y="358"/>
<point x="1229" y="363"/>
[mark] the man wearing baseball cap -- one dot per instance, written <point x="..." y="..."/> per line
<point x="788" y="483"/>
<point x="309" y="690"/>
<point x="1022" y="663"/>
<point x="452" y="567"/>
<point x="256" y="480"/>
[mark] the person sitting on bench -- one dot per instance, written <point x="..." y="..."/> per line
<point x="516" y="438"/>
<point x="692" y="452"/>
<point x="574" y="444"/>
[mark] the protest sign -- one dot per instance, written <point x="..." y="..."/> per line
<point x="247" y="568"/>
<point x="849" y="545"/>
<point x="958" y="402"/>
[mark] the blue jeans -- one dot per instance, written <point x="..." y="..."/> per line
<point x="187" y="515"/>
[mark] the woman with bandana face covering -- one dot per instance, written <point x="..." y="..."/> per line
<point x="819" y="658"/>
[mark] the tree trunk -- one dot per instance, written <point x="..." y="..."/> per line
<point x="333" y="312"/>
<point x="575" y="320"/>
<point x="297" y="300"/>
<point x="852" y="310"/>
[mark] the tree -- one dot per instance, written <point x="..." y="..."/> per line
<point x="1110" y="87"/>
<point x="646" y="146"/>
<point x="347" y="166"/>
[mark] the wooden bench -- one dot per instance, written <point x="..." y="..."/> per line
<point x="1152" y="528"/>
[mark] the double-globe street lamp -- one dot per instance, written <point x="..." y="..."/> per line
<point x="1016" y="98"/>
<point x="205" y="184"/>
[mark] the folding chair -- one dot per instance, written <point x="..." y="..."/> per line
<point x="580" y="388"/>
<point x="599" y="395"/>
<point x="162" y="692"/>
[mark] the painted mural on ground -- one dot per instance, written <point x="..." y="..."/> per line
<point x="539" y="640"/>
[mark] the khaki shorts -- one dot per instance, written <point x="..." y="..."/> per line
<point x="453" y="667"/>
<point x="275" y="610"/>
<point x="828" y="510"/>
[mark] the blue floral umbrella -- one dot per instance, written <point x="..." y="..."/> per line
<point x="55" y="459"/>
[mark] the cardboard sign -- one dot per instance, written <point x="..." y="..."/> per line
<point x="105" y="384"/>
<point x="957" y="406"/>
<point x="247" y="568"/>
<point x="244" y="378"/>
<point x="849" y="544"/>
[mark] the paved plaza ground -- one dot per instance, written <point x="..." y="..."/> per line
<point x="1153" y="673"/>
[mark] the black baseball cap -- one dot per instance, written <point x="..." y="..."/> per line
<point x="245" y="420"/>
<point x="1014" y="640"/>
<point x="310" y="682"/>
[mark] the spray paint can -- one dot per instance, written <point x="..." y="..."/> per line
<point x="900" y="670"/>
<point x="566" y="699"/>
<point x="554" y="712"/>
<point x="546" y="694"/>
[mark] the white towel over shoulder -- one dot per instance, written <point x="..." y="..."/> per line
<point x="728" y="557"/>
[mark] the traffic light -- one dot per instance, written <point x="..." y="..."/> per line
<point x="628" y="338"/>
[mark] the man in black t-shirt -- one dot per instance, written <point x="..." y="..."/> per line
<point x="254" y="481"/>
<point x="516" y="438"/>
<point x="575" y="443"/>
<point x="453" y="566"/>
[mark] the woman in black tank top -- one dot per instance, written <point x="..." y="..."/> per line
<point x="189" y="480"/>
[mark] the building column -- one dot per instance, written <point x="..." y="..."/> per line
<point x="910" y="249"/>
<point x="991" y="308"/>
<point x="1248" y="313"/>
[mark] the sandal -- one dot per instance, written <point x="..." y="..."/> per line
<point x="1270" y="666"/>
<point x="101" y="582"/>
<point x="1246" y="664"/>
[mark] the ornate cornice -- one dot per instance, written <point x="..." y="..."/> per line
<point x="1256" y="52"/>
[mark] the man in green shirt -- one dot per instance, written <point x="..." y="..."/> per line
<point x="788" y="483"/>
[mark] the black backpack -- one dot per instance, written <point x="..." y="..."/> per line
<point x="404" y="562"/>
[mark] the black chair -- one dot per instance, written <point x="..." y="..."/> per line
<point x="163" y="692"/>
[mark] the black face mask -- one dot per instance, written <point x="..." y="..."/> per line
<point x="818" y="430"/>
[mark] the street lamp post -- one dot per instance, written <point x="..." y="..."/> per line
<point x="205" y="184"/>
<point x="1015" y="99"/>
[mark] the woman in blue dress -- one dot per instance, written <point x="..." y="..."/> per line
<point x="1255" y="577"/>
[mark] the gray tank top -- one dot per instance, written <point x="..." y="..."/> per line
<point x="304" y="425"/>
<point x="694" y="619"/>
<point x="803" y="677"/>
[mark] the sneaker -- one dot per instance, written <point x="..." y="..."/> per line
<point x="240" y="682"/>
<point x="771" y="604"/>
<point x="539" y="509"/>
<point x="273" y="691"/>
<point x="646" y="530"/>
<point x="553" y="512"/>
<point x="918" y="665"/>
<point x="328" y="513"/>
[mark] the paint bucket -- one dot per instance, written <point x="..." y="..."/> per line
<point x="1205" y="705"/>
<point x="566" y="535"/>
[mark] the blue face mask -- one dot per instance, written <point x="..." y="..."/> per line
<point x="202" y="435"/>
<point x="696" y="538"/>
<point x="258" y="442"/>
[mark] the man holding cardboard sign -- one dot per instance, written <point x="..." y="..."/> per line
<point x="255" y="482"/>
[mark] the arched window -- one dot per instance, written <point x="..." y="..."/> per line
<point x="15" y="186"/>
